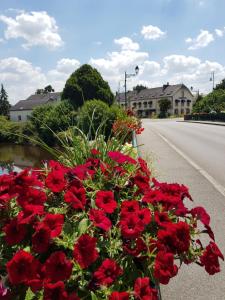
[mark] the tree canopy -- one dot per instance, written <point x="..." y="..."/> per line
<point x="4" y="103"/>
<point x="221" y="85"/>
<point x="214" y="101"/>
<point x="86" y="83"/>
<point x="139" y="88"/>
<point x="45" y="90"/>
<point x="164" y="105"/>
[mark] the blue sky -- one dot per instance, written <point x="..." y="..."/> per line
<point x="174" y="41"/>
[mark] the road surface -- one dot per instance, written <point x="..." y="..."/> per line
<point x="192" y="154"/>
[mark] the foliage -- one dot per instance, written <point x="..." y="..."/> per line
<point x="139" y="88"/>
<point x="4" y="103"/>
<point x="214" y="101"/>
<point x="164" y="106"/>
<point x="219" y="117"/>
<point x="97" y="116"/>
<point x="12" y="132"/>
<point x="221" y="85"/>
<point x="102" y="229"/>
<point x="86" y="83"/>
<point x="48" y="120"/>
<point x="46" y="90"/>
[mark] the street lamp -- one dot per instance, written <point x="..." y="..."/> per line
<point x="125" y="82"/>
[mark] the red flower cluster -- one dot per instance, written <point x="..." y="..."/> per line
<point x="69" y="231"/>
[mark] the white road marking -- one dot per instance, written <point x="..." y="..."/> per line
<point x="213" y="181"/>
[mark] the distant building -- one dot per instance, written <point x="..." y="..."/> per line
<point x="146" y="102"/>
<point x="22" y="110"/>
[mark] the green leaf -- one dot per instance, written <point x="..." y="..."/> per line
<point x="93" y="296"/>
<point x="83" y="225"/>
<point x="29" y="295"/>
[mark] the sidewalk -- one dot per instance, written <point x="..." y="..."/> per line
<point x="205" y="122"/>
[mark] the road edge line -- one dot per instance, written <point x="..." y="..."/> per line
<point x="216" y="185"/>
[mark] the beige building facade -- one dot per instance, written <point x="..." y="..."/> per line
<point x="146" y="102"/>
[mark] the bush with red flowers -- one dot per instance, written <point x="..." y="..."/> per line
<point x="104" y="229"/>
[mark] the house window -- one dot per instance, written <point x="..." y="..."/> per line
<point x="19" y="118"/>
<point x="176" y="102"/>
<point x="182" y="102"/>
<point x="176" y="111"/>
<point x="145" y="104"/>
<point x="188" y="102"/>
<point x="139" y="104"/>
<point x="134" y="104"/>
<point x="182" y="111"/>
<point x="150" y="103"/>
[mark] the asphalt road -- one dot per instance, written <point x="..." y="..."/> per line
<point x="205" y="146"/>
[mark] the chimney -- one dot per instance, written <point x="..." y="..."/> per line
<point x="165" y="86"/>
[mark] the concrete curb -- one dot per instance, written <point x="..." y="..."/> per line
<point x="202" y="122"/>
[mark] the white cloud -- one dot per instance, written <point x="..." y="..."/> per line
<point x="126" y="43"/>
<point x="20" y="78"/>
<point x="36" y="28"/>
<point x="220" y="32"/>
<point x="202" y="40"/>
<point x="151" y="32"/>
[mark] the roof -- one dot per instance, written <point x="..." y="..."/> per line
<point x="157" y="92"/>
<point x="35" y="100"/>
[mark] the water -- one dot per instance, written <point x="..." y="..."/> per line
<point x="17" y="157"/>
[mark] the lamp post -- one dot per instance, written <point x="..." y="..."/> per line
<point x="212" y="78"/>
<point x="126" y="75"/>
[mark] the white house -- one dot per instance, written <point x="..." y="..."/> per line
<point x="22" y="110"/>
<point x="146" y="102"/>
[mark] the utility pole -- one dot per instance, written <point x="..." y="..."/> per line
<point x="212" y="78"/>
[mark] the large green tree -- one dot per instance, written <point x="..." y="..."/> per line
<point x="139" y="88"/>
<point x="221" y="85"/>
<point x="164" y="106"/>
<point x="86" y="83"/>
<point x="45" y="90"/>
<point x="214" y="101"/>
<point x="4" y="103"/>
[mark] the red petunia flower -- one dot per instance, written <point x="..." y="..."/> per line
<point x="76" y="198"/>
<point x="121" y="158"/>
<point x="129" y="207"/>
<point x="58" y="267"/>
<point x="144" y="215"/>
<point x="210" y="258"/>
<point x="99" y="219"/>
<point x="131" y="226"/>
<point x="15" y="232"/>
<point x="175" y="237"/>
<point x="142" y="182"/>
<point x="55" y="181"/>
<point x="22" y="267"/>
<point x="24" y="180"/>
<point x="41" y="238"/>
<point x="144" y="167"/>
<point x="201" y="214"/>
<point x="143" y="290"/>
<point x="119" y="296"/>
<point x="55" y="291"/>
<point x="134" y="247"/>
<point x="85" y="252"/>
<point x="107" y="273"/>
<point x="162" y="218"/>
<point x="55" y="223"/>
<point x="105" y="200"/>
<point x="31" y="196"/>
<point x="164" y="268"/>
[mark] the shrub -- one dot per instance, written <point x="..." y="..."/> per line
<point x="12" y="132"/>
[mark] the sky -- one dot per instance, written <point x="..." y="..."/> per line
<point x="176" y="41"/>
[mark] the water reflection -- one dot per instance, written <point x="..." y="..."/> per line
<point x="17" y="156"/>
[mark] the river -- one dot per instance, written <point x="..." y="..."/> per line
<point x="18" y="157"/>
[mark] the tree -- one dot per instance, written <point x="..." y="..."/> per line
<point x="86" y="83"/>
<point x="214" y="101"/>
<point x="4" y="103"/>
<point x="221" y="85"/>
<point x="164" y="105"/>
<point x="46" y="90"/>
<point x="139" y="88"/>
